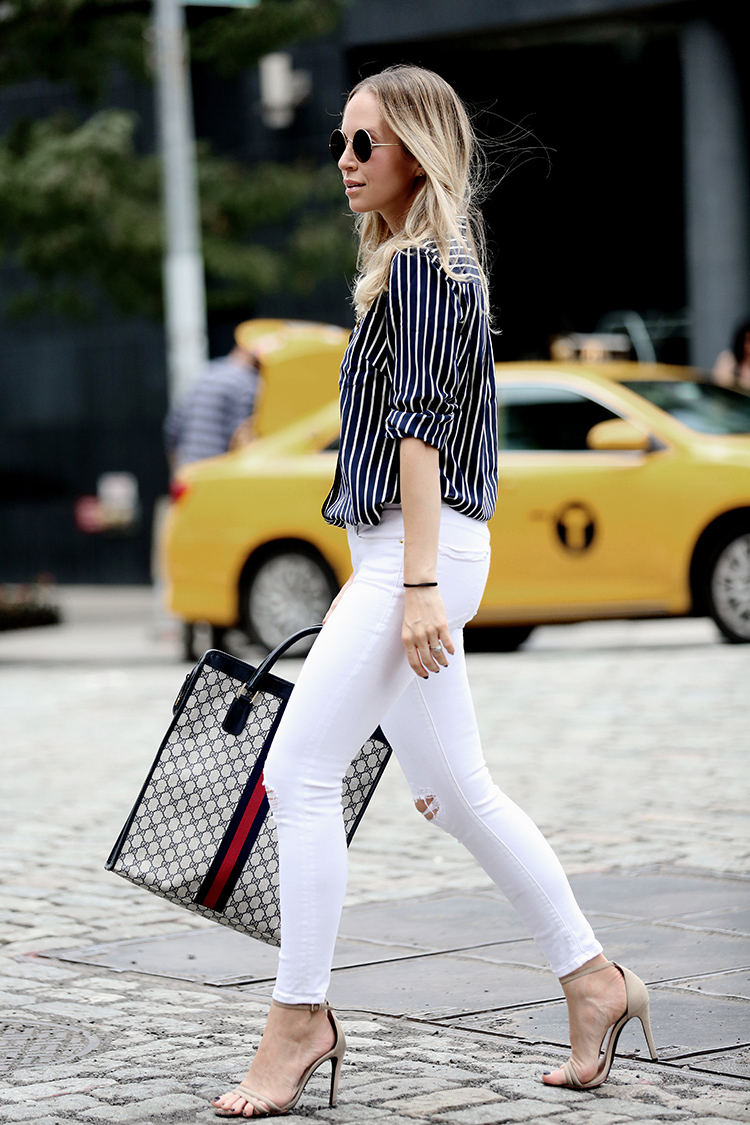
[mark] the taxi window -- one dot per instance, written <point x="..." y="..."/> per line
<point x="535" y="417"/>
<point x="703" y="407"/>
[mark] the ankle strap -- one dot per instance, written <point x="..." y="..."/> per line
<point x="303" y="1007"/>
<point x="584" y="972"/>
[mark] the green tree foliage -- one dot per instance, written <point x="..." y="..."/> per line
<point x="233" y="41"/>
<point x="71" y="40"/>
<point x="80" y="207"/>
<point x="77" y="40"/>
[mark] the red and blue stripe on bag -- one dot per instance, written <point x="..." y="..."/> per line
<point x="240" y="836"/>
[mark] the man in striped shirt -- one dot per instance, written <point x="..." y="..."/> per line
<point x="211" y="418"/>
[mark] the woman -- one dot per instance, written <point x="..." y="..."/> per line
<point x="415" y="486"/>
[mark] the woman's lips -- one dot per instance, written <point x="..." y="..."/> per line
<point x="351" y="186"/>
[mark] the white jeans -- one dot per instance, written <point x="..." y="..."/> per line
<point x="357" y="677"/>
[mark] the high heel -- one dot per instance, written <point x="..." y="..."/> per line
<point x="263" y="1106"/>
<point x="636" y="1008"/>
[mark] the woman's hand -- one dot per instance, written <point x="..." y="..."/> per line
<point x="338" y="597"/>
<point x="425" y="630"/>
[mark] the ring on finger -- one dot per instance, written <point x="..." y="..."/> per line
<point x="436" y="648"/>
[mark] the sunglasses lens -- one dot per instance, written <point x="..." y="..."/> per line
<point x="337" y="144"/>
<point x="362" y="146"/>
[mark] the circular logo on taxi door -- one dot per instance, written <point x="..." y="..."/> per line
<point x="575" y="527"/>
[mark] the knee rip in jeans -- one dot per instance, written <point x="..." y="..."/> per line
<point x="428" y="806"/>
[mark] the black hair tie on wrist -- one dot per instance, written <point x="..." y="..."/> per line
<point x="414" y="585"/>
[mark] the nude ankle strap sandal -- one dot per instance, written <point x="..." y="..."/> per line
<point x="637" y="1008"/>
<point x="263" y="1106"/>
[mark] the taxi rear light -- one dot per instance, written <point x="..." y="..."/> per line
<point x="178" y="489"/>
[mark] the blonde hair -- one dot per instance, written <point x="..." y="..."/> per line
<point x="430" y="119"/>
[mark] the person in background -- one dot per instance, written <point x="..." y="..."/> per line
<point x="213" y="417"/>
<point x="732" y="367"/>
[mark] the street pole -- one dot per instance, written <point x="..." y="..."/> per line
<point x="184" y="284"/>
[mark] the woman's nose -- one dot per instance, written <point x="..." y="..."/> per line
<point x="348" y="159"/>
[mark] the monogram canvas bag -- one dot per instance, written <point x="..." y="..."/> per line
<point x="200" y="833"/>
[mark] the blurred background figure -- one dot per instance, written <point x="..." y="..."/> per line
<point x="215" y="416"/>
<point x="732" y="366"/>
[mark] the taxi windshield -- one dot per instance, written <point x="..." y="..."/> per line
<point x="703" y="407"/>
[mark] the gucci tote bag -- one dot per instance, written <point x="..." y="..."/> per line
<point x="200" y="833"/>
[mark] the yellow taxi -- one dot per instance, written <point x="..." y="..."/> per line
<point x="624" y="492"/>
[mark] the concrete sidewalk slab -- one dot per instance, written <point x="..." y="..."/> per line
<point x="682" y="1025"/>
<point x="438" y="921"/>
<point x="735" y="921"/>
<point x="661" y="894"/>
<point x="734" y="983"/>
<point x="664" y="952"/>
<point x="216" y="956"/>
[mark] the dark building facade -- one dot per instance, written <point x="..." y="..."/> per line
<point x="632" y="194"/>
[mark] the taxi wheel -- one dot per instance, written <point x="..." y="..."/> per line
<point x="286" y="591"/>
<point x="728" y="585"/>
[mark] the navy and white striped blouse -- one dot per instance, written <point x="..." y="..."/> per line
<point x="419" y="364"/>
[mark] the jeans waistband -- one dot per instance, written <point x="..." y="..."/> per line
<point x="391" y="525"/>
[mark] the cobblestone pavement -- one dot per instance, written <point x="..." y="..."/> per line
<point x="625" y="741"/>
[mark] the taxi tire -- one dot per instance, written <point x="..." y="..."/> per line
<point x="284" y="590"/>
<point x="730" y="553"/>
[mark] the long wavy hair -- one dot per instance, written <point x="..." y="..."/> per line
<point x="431" y="121"/>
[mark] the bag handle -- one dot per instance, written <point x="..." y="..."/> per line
<point x="280" y="649"/>
<point x="236" y="716"/>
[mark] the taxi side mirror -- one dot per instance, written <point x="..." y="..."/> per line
<point x="616" y="433"/>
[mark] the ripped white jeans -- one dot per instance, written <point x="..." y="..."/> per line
<point x="357" y="677"/>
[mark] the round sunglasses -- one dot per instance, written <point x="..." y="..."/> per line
<point x="362" y="145"/>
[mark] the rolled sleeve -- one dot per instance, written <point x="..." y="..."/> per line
<point x="424" y="317"/>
